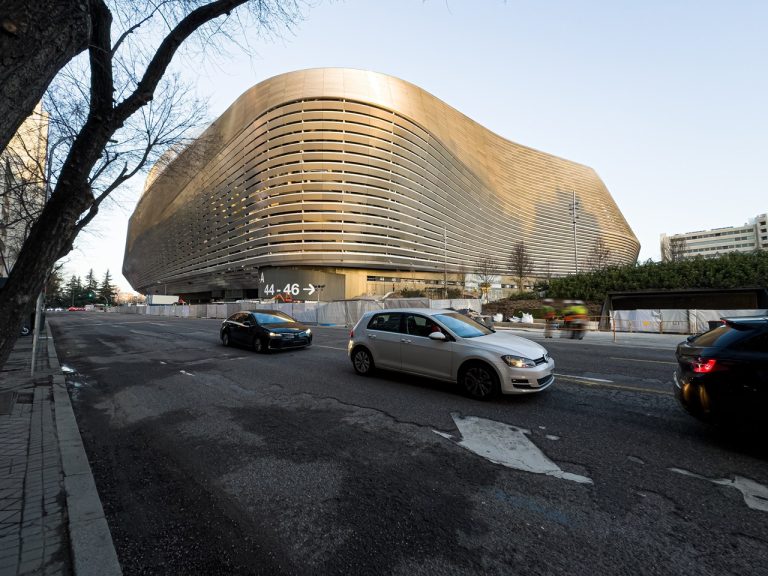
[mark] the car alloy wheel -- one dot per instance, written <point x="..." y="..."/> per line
<point x="362" y="361"/>
<point x="225" y="339"/>
<point x="479" y="381"/>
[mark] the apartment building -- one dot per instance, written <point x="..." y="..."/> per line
<point x="753" y="235"/>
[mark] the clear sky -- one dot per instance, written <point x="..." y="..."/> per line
<point x="666" y="100"/>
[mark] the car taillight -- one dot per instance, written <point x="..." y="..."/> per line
<point x="352" y="333"/>
<point x="702" y="366"/>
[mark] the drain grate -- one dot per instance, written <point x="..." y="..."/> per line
<point x="24" y="398"/>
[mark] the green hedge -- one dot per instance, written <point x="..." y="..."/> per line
<point x="735" y="270"/>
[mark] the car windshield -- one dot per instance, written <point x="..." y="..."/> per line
<point x="462" y="326"/>
<point x="272" y="317"/>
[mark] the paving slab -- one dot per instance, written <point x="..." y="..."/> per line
<point x="51" y="518"/>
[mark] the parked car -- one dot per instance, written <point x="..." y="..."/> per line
<point x="722" y="374"/>
<point x="265" y="330"/>
<point x="447" y="345"/>
<point x="76" y="309"/>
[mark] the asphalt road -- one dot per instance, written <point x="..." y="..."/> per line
<point x="213" y="460"/>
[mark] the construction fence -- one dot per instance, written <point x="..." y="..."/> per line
<point x="672" y="321"/>
<point x="336" y="313"/>
<point x="348" y="312"/>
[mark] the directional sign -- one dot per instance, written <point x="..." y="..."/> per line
<point x="300" y="284"/>
<point x="292" y="289"/>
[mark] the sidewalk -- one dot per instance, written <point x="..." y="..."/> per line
<point x="51" y="519"/>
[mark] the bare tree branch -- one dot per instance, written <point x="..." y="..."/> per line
<point x="99" y="144"/>
<point x="520" y="263"/>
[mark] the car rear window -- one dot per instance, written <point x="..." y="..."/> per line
<point x="758" y="342"/>
<point x="721" y="336"/>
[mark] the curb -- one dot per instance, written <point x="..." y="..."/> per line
<point x="90" y="541"/>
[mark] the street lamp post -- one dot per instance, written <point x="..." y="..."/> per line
<point x="574" y="209"/>
<point x="445" y="262"/>
<point x="319" y="288"/>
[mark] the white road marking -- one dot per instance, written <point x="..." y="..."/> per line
<point x="639" y="360"/>
<point x="506" y="445"/>
<point x="328" y="347"/>
<point x="755" y="494"/>
<point x="186" y="373"/>
<point x="611" y="386"/>
<point x="582" y="378"/>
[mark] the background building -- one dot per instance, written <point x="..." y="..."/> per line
<point x="363" y="184"/>
<point x="751" y="236"/>
<point x="22" y="186"/>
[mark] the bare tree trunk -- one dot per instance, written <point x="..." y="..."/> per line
<point x="36" y="40"/>
<point x="50" y="236"/>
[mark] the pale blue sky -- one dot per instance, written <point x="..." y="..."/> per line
<point x="667" y="101"/>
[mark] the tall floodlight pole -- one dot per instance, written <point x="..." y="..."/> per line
<point x="319" y="288"/>
<point x="574" y="208"/>
<point x="445" y="262"/>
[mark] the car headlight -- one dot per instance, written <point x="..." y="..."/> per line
<point x="309" y="332"/>
<point x="274" y="335"/>
<point x="518" y="361"/>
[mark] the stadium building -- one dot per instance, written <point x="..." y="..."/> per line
<point x="363" y="184"/>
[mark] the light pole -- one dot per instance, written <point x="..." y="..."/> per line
<point x="319" y="288"/>
<point x="445" y="262"/>
<point x="574" y="209"/>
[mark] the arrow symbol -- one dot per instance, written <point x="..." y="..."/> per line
<point x="311" y="290"/>
<point x="506" y="445"/>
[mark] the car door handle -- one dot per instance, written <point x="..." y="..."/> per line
<point x="405" y="341"/>
<point x="372" y="336"/>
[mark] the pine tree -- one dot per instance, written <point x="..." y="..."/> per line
<point x="55" y="293"/>
<point x="75" y="291"/>
<point x="91" y="287"/>
<point x="107" y="290"/>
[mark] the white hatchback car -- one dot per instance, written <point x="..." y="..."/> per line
<point x="447" y="345"/>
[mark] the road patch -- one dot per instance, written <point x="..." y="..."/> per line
<point x="506" y="445"/>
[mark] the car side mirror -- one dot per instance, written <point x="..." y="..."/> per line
<point x="690" y="338"/>
<point x="437" y="336"/>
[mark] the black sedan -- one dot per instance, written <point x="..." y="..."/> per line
<point x="722" y="375"/>
<point x="265" y="330"/>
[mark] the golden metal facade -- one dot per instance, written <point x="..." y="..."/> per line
<point x="348" y="169"/>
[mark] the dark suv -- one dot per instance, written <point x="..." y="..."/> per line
<point x="722" y="375"/>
